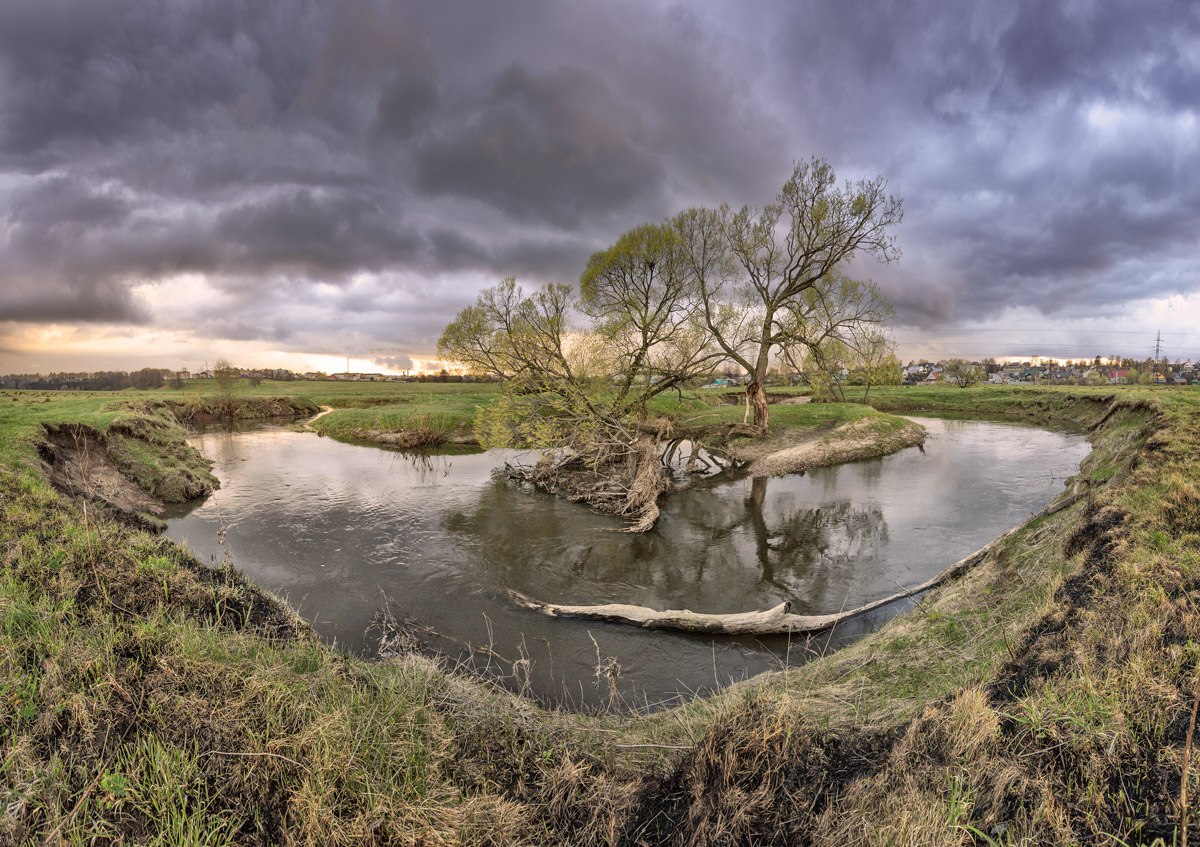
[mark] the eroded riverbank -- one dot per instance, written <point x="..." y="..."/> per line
<point x="1062" y="662"/>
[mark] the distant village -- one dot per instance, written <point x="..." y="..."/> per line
<point x="1095" y="372"/>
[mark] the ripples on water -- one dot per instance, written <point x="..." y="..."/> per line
<point x="343" y="530"/>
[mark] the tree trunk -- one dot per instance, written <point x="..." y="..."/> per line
<point x="756" y="397"/>
<point x="756" y="391"/>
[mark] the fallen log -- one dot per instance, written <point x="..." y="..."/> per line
<point x="778" y="620"/>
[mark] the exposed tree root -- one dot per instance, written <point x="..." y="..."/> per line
<point x="775" y="621"/>
<point x="626" y="484"/>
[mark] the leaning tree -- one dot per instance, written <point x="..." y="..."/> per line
<point x="753" y="267"/>
<point x="579" y="369"/>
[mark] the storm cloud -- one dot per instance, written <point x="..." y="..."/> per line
<point x="343" y="177"/>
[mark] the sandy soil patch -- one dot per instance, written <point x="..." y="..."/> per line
<point x="797" y="451"/>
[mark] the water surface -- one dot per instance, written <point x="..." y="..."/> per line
<point x="343" y="530"/>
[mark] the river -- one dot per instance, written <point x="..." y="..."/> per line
<point x="342" y="531"/>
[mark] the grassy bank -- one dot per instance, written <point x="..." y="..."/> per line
<point x="147" y="698"/>
<point x="1043" y="698"/>
<point x="422" y="416"/>
<point x="441" y="415"/>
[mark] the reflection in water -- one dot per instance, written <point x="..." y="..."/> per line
<point x="809" y="544"/>
<point x="342" y="529"/>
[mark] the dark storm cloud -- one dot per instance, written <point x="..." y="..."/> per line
<point x="347" y="174"/>
<point x="546" y="257"/>
<point x="250" y="142"/>
<point x="1044" y="151"/>
<point x="313" y="233"/>
<point x="90" y="301"/>
<point x="555" y="146"/>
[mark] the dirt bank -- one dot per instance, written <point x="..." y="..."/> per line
<point x="198" y="411"/>
<point x="79" y="464"/>
<point x="135" y="465"/>
<point x="796" y="450"/>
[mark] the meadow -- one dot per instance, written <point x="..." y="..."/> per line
<point x="1045" y="697"/>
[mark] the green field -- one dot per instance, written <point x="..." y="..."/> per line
<point x="1043" y="698"/>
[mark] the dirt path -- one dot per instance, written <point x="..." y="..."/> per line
<point x="308" y="424"/>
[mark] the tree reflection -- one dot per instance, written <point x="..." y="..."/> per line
<point x="806" y="552"/>
<point x="721" y="547"/>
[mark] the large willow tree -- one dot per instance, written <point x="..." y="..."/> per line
<point x="665" y="303"/>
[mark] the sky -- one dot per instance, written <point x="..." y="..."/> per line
<point x="292" y="183"/>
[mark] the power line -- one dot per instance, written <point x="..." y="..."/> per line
<point x="1055" y="331"/>
<point x="1034" y="344"/>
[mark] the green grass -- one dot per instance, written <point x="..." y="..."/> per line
<point x="425" y="406"/>
<point x="352" y="395"/>
<point x="22" y="414"/>
<point x="707" y="406"/>
<point x="146" y="698"/>
<point x="448" y="408"/>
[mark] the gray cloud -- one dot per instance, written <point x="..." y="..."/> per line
<point x="315" y="233"/>
<point x="552" y="147"/>
<point x="346" y="175"/>
<point x="396" y="363"/>
<point x="1046" y="154"/>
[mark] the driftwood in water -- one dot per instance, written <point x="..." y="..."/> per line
<point x="626" y="480"/>
<point x="775" y="621"/>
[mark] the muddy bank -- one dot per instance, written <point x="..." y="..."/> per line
<point x="199" y="411"/>
<point x="214" y="409"/>
<point x="797" y="450"/>
<point x="135" y="466"/>
<point x="79" y="465"/>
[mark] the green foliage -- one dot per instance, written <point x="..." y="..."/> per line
<point x="826" y="371"/>
<point x="585" y="388"/>
<point x="772" y="279"/>
<point x="226" y="380"/>
<point x="962" y="373"/>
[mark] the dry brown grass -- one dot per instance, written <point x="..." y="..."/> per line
<point x="1045" y="698"/>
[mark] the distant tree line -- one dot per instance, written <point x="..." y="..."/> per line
<point x="223" y="373"/>
<point x="88" y="381"/>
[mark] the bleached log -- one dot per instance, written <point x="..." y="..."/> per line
<point x="778" y="620"/>
<point x="769" y="622"/>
